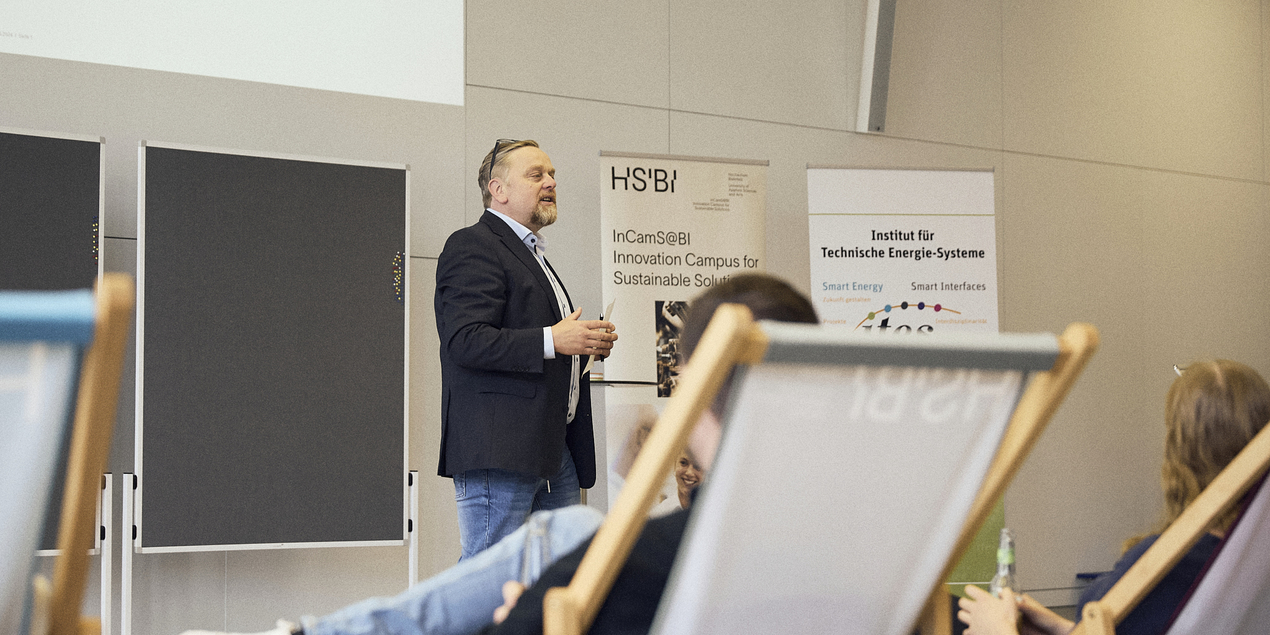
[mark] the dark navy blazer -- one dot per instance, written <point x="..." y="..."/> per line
<point x="503" y="405"/>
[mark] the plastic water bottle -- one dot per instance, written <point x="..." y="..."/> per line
<point x="1005" y="578"/>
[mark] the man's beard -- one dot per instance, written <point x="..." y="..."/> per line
<point x="544" y="214"/>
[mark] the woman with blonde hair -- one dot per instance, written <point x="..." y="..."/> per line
<point x="1212" y="410"/>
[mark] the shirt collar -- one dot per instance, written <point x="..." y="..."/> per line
<point x="533" y="241"/>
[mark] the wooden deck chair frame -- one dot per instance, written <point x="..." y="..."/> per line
<point x="1241" y="474"/>
<point x="56" y="607"/>
<point x="733" y="338"/>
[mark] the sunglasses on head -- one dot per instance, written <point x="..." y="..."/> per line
<point x="494" y="156"/>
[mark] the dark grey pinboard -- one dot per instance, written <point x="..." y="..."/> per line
<point x="50" y="201"/>
<point x="50" y="198"/>
<point x="273" y="348"/>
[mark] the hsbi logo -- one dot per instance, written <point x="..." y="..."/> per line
<point x="644" y="179"/>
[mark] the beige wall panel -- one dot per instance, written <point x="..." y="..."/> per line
<point x="438" y="517"/>
<point x="173" y="592"/>
<point x="607" y="51"/>
<point x="128" y="105"/>
<point x="790" y="149"/>
<point x="1166" y="266"/>
<point x="1207" y="264"/>
<point x="572" y="132"/>
<point x="263" y="586"/>
<point x="250" y="590"/>
<point x="120" y="255"/>
<point x="793" y="62"/>
<point x="1072" y="253"/>
<point x="946" y="72"/>
<point x="1156" y="84"/>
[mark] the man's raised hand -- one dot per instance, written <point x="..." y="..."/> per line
<point x="583" y="337"/>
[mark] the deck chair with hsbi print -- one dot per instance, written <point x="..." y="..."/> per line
<point x="853" y="473"/>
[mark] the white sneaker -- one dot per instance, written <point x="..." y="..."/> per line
<point x="282" y="628"/>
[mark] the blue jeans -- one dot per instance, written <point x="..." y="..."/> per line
<point x="493" y="503"/>
<point x="462" y="599"/>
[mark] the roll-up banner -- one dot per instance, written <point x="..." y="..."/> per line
<point x="902" y="252"/>
<point x="895" y="251"/>
<point x="671" y="228"/>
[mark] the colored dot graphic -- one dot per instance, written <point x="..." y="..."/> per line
<point x="903" y="306"/>
<point x="399" y="277"/>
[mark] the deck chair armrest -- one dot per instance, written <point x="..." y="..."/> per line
<point x="1096" y="620"/>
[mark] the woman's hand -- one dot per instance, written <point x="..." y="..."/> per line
<point x="1009" y="615"/>
<point x="985" y="615"/>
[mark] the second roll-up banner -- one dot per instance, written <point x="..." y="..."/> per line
<point x="905" y="252"/>
<point x="671" y="228"/>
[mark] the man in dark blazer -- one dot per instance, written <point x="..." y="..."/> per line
<point x="516" y="432"/>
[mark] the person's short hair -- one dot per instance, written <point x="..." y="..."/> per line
<point x="766" y="296"/>
<point x="503" y="147"/>
<point x="1212" y="410"/>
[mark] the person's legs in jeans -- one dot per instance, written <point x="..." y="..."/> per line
<point x="492" y="503"/>
<point x="462" y="598"/>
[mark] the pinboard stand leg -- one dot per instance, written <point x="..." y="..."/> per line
<point x="129" y="548"/>
<point x="413" y="528"/>
<point x="106" y="534"/>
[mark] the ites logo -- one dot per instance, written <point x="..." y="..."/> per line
<point x="919" y="321"/>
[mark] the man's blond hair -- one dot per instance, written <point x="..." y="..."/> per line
<point x="503" y="147"/>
